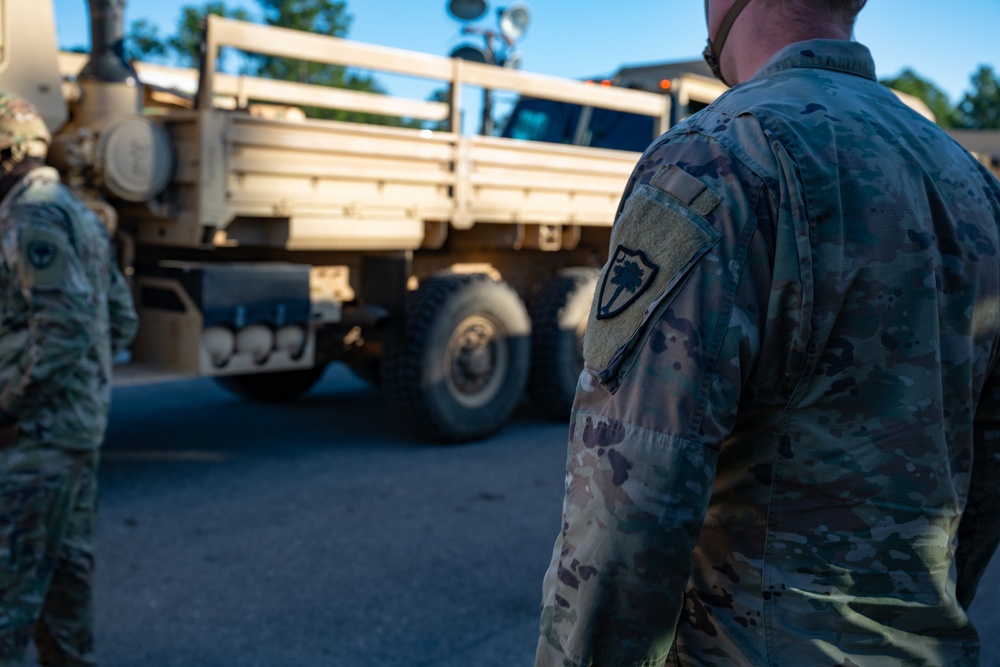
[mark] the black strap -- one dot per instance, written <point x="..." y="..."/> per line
<point x="727" y="23"/>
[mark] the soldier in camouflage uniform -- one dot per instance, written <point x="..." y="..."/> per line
<point x="785" y="445"/>
<point x="66" y="311"/>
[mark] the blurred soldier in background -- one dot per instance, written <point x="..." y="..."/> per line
<point x="785" y="446"/>
<point x="66" y="311"/>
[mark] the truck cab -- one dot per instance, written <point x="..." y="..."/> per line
<point x="688" y="85"/>
<point x="455" y="272"/>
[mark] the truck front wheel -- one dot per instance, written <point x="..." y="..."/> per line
<point x="558" y="320"/>
<point x="277" y="387"/>
<point x="462" y="366"/>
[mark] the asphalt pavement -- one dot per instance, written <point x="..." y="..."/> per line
<point x="321" y="533"/>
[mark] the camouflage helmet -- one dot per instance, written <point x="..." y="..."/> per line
<point x="22" y="128"/>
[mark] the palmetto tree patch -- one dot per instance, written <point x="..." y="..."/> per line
<point x="628" y="276"/>
<point x="43" y="257"/>
<point x="41" y="254"/>
<point x="636" y="284"/>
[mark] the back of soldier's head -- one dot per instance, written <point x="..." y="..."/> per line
<point x="844" y="12"/>
<point x="23" y="132"/>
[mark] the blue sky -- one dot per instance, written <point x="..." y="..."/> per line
<point x="943" y="42"/>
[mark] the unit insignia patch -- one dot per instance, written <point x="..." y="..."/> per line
<point x="41" y="254"/>
<point x="628" y="276"/>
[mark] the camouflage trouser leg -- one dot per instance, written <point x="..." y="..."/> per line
<point x="47" y="502"/>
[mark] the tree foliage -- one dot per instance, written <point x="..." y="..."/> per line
<point x="144" y="42"/>
<point x="185" y="42"/>
<point x="911" y="83"/>
<point x="322" y="17"/>
<point x="980" y="108"/>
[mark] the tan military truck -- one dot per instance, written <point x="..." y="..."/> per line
<point x="984" y="144"/>
<point x="455" y="271"/>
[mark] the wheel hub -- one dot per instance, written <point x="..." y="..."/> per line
<point x="475" y="361"/>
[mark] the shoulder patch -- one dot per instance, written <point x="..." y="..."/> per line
<point x="629" y="274"/>
<point x="43" y="257"/>
<point x="655" y="241"/>
<point x="41" y="253"/>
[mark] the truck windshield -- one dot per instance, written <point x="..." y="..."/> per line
<point x="557" y="122"/>
<point x="542" y="120"/>
<point x="619" y="130"/>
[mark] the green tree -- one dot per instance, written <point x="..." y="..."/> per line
<point x="438" y="95"/>
<point x="911" y="83"/>
<point x="980" y="108"/>
<point x="185" y="43"/>
<point x="143" y="42"/>
<point x="321" y="17"/>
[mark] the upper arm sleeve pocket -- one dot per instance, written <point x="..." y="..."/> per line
<point x="43" y="256"/>
<point x="654" y="244"/>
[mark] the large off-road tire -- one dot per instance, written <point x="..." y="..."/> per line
<point x="558" y="320"/>
<point x="462" y="366"/>
<point x="278" y="387"/>
<point x="367" y="370"/>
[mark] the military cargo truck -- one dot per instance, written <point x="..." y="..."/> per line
<point x="983" y="144"/>
<point x="454" y="271"/>
<point x="689" y="86"/>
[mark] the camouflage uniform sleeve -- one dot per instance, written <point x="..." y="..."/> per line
<point x="60" y="301"/>
<point x="674" y="331"/>
<point x="121" y="311"/>
<point x="979" y="531"/>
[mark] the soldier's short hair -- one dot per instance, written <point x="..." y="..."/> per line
<point x="844" y="11"/>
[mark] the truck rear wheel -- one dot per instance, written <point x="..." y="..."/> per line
<point x="462" y="366"/>
<point x="558" y="320"/>
<point x="278" y="387"/>
<point x="367" y="370"/>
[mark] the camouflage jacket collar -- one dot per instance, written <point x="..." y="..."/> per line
<point x="831" y="54"/>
